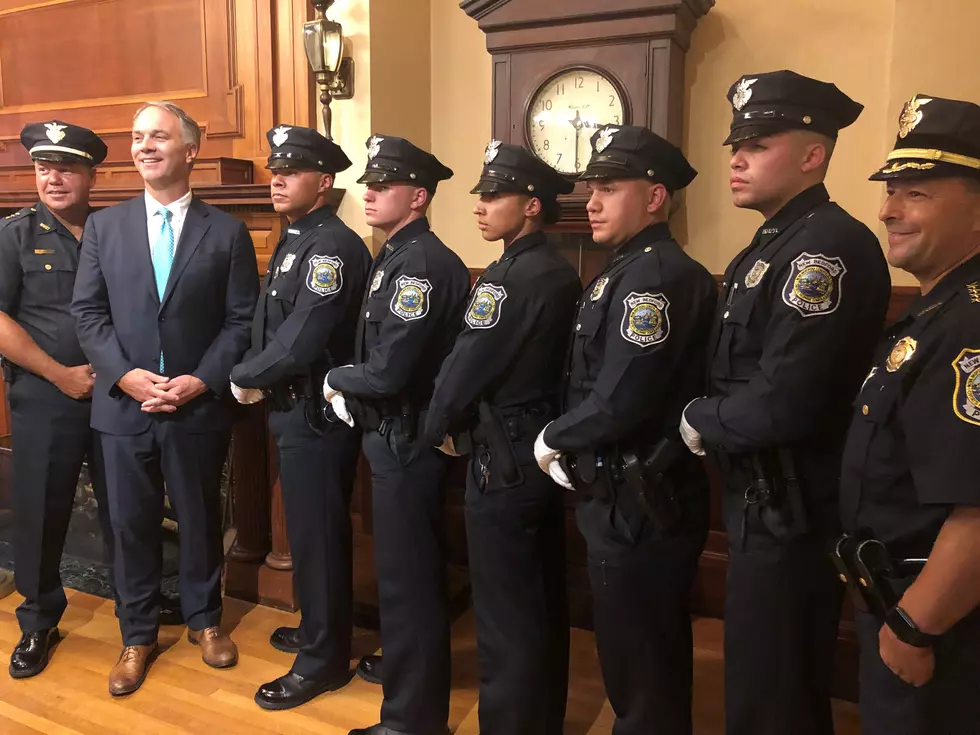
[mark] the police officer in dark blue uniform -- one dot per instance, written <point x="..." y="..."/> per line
<point x="910" y="497"/>
<point x="500" y="387"/>
<point x="640" y="327"/>
<point x="49" y="380"/>
<point x="304" y="324"/>
<point x="803" y="304"/>
<point x="409" y="319"/>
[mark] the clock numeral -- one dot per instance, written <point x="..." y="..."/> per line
<point x="559" y="159"/>
<point x="547" y="145"/>
<point x="546" y="104"/>
<point x="541" y="124"/>
<point x="560" y="88"/>
<point x="598" y="82"/>
<point x="612" y="100"/>
<point x="616" y="120"/>
<point x="579" y="82"/>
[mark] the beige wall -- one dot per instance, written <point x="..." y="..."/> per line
<point x="880" y="52"/>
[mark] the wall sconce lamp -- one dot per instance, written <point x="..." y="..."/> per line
<point x="324" y="42"/>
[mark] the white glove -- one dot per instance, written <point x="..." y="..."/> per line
<point x="448" y="447"/>
<point x="558" y="475"/>
<point x="339" y="404"/>
<point x="690" y="435"/>
<point x="246" y="396"/>
<point x="328" y="392"/>
<point x="543" y="454"/>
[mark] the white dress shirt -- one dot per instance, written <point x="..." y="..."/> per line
<point x="154" y="221"/>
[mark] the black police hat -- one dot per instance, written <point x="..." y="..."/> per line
<point x="59" y="141"/>
<point x="511" y="168"/>
<point x="633" y="152"/>
<point x="396" y="160"/>
<point x="936" y="138"/>
<point x="304" y="148"/>
<point x="763" y="104"/>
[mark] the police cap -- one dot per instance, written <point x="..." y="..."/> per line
<point x="304" y="148"/>
<point x="396" y="160"/>
<point x="63" y="142"/>
<point x="634" y="152"/>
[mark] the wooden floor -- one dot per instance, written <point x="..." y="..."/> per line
<point x="182" y="695"/>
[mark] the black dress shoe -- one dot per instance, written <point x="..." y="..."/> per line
<point x="286" y="640"/>
<point x="369" y="668"/>
<point x="31" y="653"/>
<point x="381" y="730"/>
<point x="170" y="613"/>
<point x="292" y="690"/>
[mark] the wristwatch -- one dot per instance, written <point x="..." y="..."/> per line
<point x="907" y="631"/>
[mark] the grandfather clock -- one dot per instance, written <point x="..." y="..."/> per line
<point x="562" y="68"/>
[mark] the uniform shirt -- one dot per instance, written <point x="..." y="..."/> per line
<point x="38" y="260"/>
<point x="154" y="220"/>
<point x="409" y="318"/>
<point x="638" y="342"/>
<point x="514" y="338"/>
<point x="803" y="308"/>
<point x="307" y="311"/>
<point x="912" y="448"/>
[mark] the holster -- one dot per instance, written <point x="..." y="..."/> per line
<point x="9" y="374"/>
<point x="654" y="490"/>
<point x="776" y="490"/>
<point x="872" y="577"/>
<point x="493" y="432"/>
<point x="383" y="416"/>
<point x="287" y="394"/>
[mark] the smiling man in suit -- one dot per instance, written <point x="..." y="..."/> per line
<point x="163" y="301"/>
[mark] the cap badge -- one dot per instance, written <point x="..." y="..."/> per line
<point x="605" y="138"/>
<point x="374" y="146"/>
<point x="56" y="132"/>
<point x="493" y="148"/>
<point x="280" y="135"/>
<point x="742" y="93"/>
<point x="911" y="115"/>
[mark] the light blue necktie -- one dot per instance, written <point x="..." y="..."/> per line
<point x="162" y="255"/>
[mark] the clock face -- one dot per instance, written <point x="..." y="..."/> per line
<point x="564" y="114"/>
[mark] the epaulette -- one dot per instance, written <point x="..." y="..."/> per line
<point x="11" y="218"/>
<point x="974" y="290"/>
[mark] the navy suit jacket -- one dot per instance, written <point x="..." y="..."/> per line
<point x="202" y="323"/>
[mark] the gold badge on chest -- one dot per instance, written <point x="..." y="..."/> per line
<point x="901" y="353"/>
<point x="600" y="287"/>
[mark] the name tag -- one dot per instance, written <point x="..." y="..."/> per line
<point x="44" y="252"/>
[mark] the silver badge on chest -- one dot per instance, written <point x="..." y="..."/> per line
<point x="287" y="262"/>
<point x="376" y="283"/>
<point x="756" y="273"/>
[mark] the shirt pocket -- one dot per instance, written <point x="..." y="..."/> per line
<point x="49" y="276"/>
<point x="735" y="341"/>
<point x="588" y="339"/>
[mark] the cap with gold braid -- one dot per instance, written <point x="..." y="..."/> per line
<point x="936" y="138"/>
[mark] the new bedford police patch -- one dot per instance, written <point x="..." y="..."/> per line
<point x="484" y="311"/>
<point x="966" y="398"/>
<point x="645" y="320"/>
<point x="814" y="284"/>
<point x="411" y="299"/>
<point x="325" y="275"/>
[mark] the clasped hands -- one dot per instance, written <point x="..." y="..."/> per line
<point x="158" y="393"/>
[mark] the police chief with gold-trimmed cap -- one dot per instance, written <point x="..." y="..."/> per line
<point x="636" y="359"/>
<point x="49" y="379"/>
<point x="910" y="500"/>
<point x="409" y="319"/>
<point x="303" y="326"/>
<point x="506" y="368"/>
<point x="803" y="306"/>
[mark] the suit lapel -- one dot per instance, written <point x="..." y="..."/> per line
<point x="137" y="225"/>
<point x="195" y="225"/>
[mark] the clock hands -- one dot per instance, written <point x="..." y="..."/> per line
<point x="578" y="123"/>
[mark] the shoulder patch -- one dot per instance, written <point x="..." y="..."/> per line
<point x="325" y="276"/>
<point x="484" y="310"/>
<point x="813" y="287"/>
<point x="966" y="396"/>
<point x="411" y="299"/>
<point x="645" y="320"/>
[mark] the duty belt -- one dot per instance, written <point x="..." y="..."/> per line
<point x="286" y="394"/>
<point x="875" y="580"/>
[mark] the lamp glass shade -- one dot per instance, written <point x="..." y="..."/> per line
<point x="324" y="42"/>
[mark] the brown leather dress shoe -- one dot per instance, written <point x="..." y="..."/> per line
<point x="130" y="670"/>
<point x="217" y="649"/>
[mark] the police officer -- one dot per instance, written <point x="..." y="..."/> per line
<point x="409" y="319"/>
<point x="802" y="306"/>
<point x="304" y="324"/>
<point x="909" y="491"/>
<point x="640" y="327"/>
<point x="50" y="381"/>
<point x="501" y="383"/>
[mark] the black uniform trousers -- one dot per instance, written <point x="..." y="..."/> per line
<point x="782" y="609"/>
<point x="316" y="472"/>
<point x="410" y="559"/>
<point x="641" y="582"/>
<point x="137" y="467"/>
<point x="516" y="541"/>
<point x="50" y="440"/>
<point x="948" y="704"/>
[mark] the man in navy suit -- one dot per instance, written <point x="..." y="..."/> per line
<point x="163" y="300"/>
